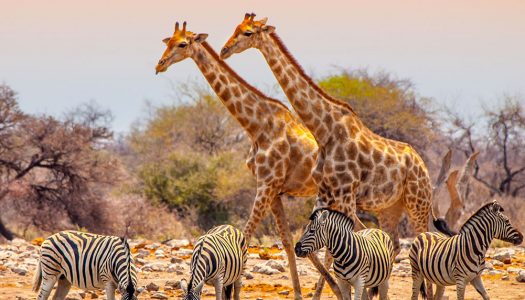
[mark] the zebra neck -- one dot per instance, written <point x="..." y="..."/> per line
<point x="340" y="241"/>
<point x="479" y="233"/>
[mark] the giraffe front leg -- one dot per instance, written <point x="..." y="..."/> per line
<point x="286" y="238"/>
<point x="263" y="199"/>
<point x="324" y="272"/>
<point x="478" y="284"/>
<point x="389" y="222"/>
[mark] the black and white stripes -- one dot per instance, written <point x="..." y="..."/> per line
<point x="460" y="259"/>
<point x="218" y="258"/>
<point x="363" y="259"/>
<point x="87" y="261"/>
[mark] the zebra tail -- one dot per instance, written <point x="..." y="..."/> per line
<point x="442" y="226"/>
<point x="374" y="292"/>
<point x="37" y="279"/>
<point x="423" y="290"/>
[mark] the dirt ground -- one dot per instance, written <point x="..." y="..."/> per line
<point x="276" y="286"/>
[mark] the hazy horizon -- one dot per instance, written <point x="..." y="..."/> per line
<point x="57" y="54"/>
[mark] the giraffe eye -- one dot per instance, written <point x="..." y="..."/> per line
<point x="247" y="33"/>
<point x="183" y="45"/>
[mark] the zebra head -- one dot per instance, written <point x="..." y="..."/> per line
<point x="189" y="292"/>
<point x="314" y="236"/>
<point x="502" y="228"/>
<point x="127" y="275"/>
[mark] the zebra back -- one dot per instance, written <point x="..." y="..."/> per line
<point x="221" y="252"/>
<point x="89" y="261"/>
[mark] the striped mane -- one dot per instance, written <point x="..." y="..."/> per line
<point x="338" y="213"/>
<point x="476" y="215"/>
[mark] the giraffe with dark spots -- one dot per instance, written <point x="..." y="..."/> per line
<point x="273" y="130"/>
<point x="322" y="114"/>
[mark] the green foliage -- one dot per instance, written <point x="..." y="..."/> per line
<point x="387" y="106"/>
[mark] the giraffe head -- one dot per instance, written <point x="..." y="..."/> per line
<point x="179" y="47"/>
<point x="246" y="35"/>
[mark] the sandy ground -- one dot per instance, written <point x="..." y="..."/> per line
<point x="14" y="286"/>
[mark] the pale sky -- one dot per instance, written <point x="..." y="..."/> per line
<point x="60" y="53"/>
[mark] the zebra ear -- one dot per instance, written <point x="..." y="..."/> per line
<point x="184" y="286"/>
<point x="496" y="207"/>
<point x="323" y="217"/>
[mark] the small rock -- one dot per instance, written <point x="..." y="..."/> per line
<point x="264" y="269"/>
<point x="259" y="298"/>
<point x="488" y="266"/>
<point x="176" y="260"/>
<point x="82" y="294"/>
<point x="309" y="295"/>
<point x="154" y="267"/>
<point x="172" y="285"/>
<point x="248" y="275"/>
<point x="142" y="253"/>
<point x="496" y="263"/>
<point x="159" y="295"/>
<point x="19" y="270"/>
<point x="152" y="287"/>
<point x="73" y="296"/>
<point x="505" y="276"/>
<point x="285" y="292"/>
<point x="513" y="270"/>
<point x="178" y="243"/>
<point x="176" y="268"/>
<point x="521" y="276"/>
<point x="504" y="255"/>
<point x="152" y="246"/>
<point x="159" y="253"/>
<point x="275" y="265"/>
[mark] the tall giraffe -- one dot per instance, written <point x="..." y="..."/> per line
<point x="355" y="167"/>
<point x="283" y="151"/>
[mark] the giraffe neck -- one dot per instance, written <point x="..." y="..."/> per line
<point x="317" y="110"/>
<point x="248" y="105"/>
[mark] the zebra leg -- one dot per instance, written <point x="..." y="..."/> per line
<point x="417" y="282"/>
<point x="359" y="287"/>
<point x="383" y="291"/>
<point x="48" y="282"/>
<point x="228" y="292"/>
<point x="218" y="288"/>
<point x="286" y="238"/>
<point x="460" y="288"/>
<point x="328" y="259"/>
<point x="440" y="291"/>
<point x="478" y="284"/>
<point x="62" y="289"/>
<point x="345" y="288"/>
<point x="110" y="291"/>
<point x="237" y="285"/>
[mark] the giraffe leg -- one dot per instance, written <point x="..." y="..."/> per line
<point x="62" y="289"/>
<point x="328" y="259"/>
<point x="331" y="282"/>
<point x="263" y="199"/>
<point x="286" y="238"/>
<point x="389" y="221"/>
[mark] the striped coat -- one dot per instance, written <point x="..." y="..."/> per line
<point x="87" y="261"/>
<point x="460" y="259"/>
<point x="218" y="258"/>
<point x="363" y="259"/>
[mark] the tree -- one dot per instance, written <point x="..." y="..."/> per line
<point x="499" y="135"/>
<point x="51" y="167"/>
<point x="387" y="106"/>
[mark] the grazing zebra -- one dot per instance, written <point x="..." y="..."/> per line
<point x="363" y="259"/>
<point x="218" y="258"/>
<point x="459" y="260"/>
<point x="87" y="261"/>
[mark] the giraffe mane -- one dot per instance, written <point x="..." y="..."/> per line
<point x="240" y="79"/>
<point x="310" y="81"/>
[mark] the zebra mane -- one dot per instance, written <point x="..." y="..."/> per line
<point x="342" y="215"/>
<point x="129" y="288"/>
<point x="478" y="213"/>
<point x="197" y="255"/>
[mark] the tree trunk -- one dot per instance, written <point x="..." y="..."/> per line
<point x="5" y="232"/>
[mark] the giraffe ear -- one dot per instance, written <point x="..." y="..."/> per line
<point x="268" y="29"/>
<point x="166" y="40"/>
<point x="201" y="37"/>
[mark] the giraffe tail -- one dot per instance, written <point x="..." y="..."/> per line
<point x="442" y="226"/>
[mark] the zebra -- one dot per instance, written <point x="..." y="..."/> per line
<point x="363" y="259"/>
<point x="218" y="258"/>
<point x="87" y="261"/>
<point x="460" y="259"/>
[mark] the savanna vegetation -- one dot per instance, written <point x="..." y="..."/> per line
<point x="181" y="169"/>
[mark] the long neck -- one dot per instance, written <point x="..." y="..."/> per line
<point x="339" y="228"/>
<point x="480" y="232"/>
<point x="244" y="102"/>
<point x="317" y="110"/>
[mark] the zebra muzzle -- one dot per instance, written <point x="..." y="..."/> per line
<point x="298" y="251"/>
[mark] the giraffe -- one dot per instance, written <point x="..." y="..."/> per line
<point x="355" y="167"/>
<point x="283" y="151"/>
